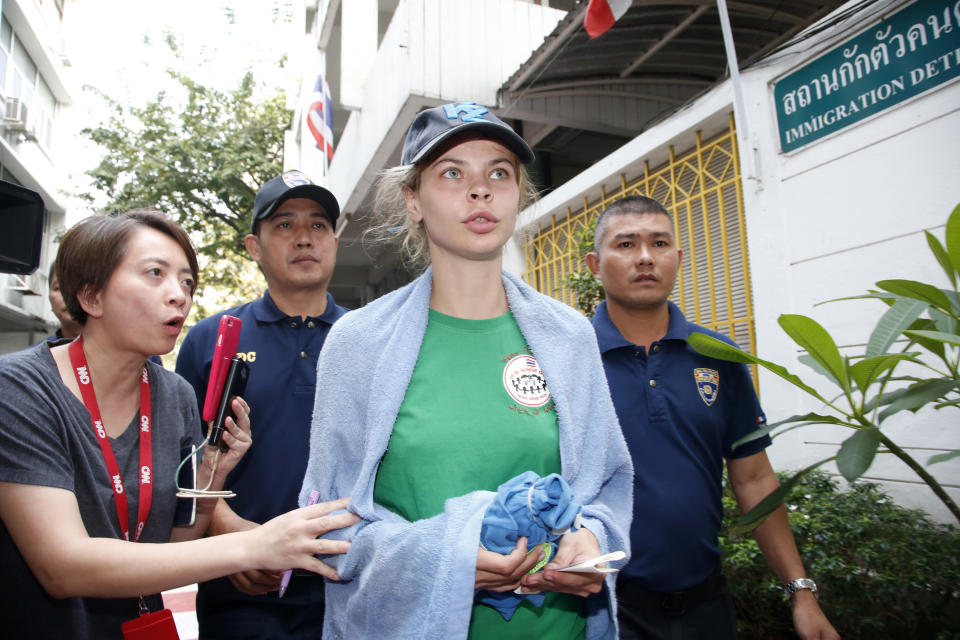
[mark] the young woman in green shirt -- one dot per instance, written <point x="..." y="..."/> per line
<point x="466" y="406"/>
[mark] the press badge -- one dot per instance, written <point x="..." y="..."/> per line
<point x="158" y="625"/>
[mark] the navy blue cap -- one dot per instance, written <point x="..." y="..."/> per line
<point x="432" y="126"/>
<point x="292" y="184"/>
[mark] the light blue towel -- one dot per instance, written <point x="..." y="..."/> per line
<point x="542" y="509"/>
<point x="406" y="579"/>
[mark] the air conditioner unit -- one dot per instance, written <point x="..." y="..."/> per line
<point x="28" y="284"/>
<point x="15" y="115"/>
<point x="16" y="120"/>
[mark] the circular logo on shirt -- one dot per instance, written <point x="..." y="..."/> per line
<point x="524" y="381"/>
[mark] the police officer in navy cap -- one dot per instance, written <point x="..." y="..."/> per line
<point x="292" y="239"/>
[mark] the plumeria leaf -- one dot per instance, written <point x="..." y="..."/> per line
<point x="943" y="322"/>
<point x="801" y="420"/>
<point x="943" y="457"/>
<point x="714" y="348"/>
<point x="867" y="371"/>
<point x="808" y="333"/>
<point x="952" y="237"/>
<point x="873" y="295"/>
<point x="917" y="395"/>
<point x="933" y="346"/>
<point x="939" y="336"/>
<point x="919" y="291"/>
<point x="940" y="253"/>
<point x="857" y="452"/>
<point x="891" y="326"/>
<point x="811" y="362"/>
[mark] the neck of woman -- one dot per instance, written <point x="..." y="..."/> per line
<point x="469" y="289"/>
<point x="115" y="371"/>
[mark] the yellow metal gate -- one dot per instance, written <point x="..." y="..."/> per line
<point x="701" y="188"/>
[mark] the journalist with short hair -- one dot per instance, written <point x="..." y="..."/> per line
<point x="91" y="435"/>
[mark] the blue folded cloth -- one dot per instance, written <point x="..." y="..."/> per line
<point x="542" y="509"/>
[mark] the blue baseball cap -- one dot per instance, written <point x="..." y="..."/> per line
<point x="292" y="184"/>
<point x="432" y="126"/>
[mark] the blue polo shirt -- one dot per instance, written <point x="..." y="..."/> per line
<point x="282" y="353"/>
<point x="680" y="413"/>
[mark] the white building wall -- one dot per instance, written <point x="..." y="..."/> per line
<point x="434" y="51"/>
<point x="823" y="222"/>
<point x="828" y="221"/>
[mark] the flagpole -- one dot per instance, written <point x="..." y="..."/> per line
<point x="734" y="66"/>
<point x="323" y="154"/>
<point x="749" y="161"/>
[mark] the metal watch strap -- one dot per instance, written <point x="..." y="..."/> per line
<point x="800" y="584"/>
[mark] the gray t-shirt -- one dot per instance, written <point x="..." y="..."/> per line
<point x="46" y="438"/>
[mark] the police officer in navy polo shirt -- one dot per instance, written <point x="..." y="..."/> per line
<point x="680" y="413"/>
<point x="281" y="336"/>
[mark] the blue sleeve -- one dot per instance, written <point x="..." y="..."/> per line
<point x="746" y="416"/>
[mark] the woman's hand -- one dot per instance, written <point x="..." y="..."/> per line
<point x="290" y="540"/>
<point x="574" y="547"/>
<point x="498" y="572"/>
<point x="253" y="582"/>
<point x="235" y="440"/>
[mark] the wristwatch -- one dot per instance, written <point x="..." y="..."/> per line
<point x="799" y="584"/>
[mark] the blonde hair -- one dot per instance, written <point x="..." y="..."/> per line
<point x="392" y="220"/>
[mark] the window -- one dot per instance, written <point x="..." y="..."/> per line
<point x="6" y="34"/>
<point x="24" y="73"/>
<point x="43" y="112"/>
<point x="20" y="78"/>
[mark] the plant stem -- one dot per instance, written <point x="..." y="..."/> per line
<point x="924" y="475"/>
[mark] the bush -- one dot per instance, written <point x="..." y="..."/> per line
<point x="884" y="571"/>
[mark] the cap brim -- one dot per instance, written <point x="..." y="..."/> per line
<point x="503" y="134"/>
<point x="312" y="192"/>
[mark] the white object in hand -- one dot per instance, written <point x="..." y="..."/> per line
<point x="590" y="566"/>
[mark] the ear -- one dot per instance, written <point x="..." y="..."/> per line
<point x="593" y="263"/>
<point x="91" y="303"/>
<point x="252" y="244"/>
<point x="413" y="204"/>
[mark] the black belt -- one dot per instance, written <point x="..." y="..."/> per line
<point x="676" y="603"/>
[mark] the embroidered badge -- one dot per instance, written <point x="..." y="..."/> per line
<point x="524" y="381"/>
<point x="708" y="383"/>
<point x="466" y="111"/>
<point x="295" y="178"/>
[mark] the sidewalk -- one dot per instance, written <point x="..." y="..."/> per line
<point x="183" y="603"/>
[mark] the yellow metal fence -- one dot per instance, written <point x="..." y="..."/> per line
<point x="702" y="190"/>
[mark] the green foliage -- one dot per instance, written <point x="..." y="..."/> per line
<point x="884" y="571"/>
<point x="199" y="154"/>
<point x="586" y="288"/>
<point x="864" y="402"/>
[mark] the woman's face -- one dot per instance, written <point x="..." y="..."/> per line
<point x="467" y="200"/>
<point x="147" y="298"/>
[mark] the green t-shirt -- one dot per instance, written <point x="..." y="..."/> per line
<point x="477" y="413"/>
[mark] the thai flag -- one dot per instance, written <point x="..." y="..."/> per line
<point x="320" y="117"/>
<point x="601" y="14"/>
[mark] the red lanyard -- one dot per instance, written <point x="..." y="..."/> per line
<point x="79" y="362"/>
